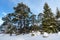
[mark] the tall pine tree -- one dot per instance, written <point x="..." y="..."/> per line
<point x="49" y="22"/>
<point x="58" y="19"/>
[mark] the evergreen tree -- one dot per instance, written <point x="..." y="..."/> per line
<point x="20" y="18"/>
<point x="58" y="19"/>
<point x="33" y="19"/>
<point x="58" y="13"/>
<point x="49" y="22"/>
<point x="40" y="16"/>
<point x="22" y="15"/>
<point x="9" y="28"/>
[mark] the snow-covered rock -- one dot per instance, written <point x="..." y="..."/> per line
<point x="58" y="33"/>
<point x="45" y="34"/>
<point x="38" y="33"/>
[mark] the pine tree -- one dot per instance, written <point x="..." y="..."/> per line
<point x="33" y="19"/>
<point x="58" y="13"/>
<point x="49" y="22"/>
<point x="40" y="16"/>
<point x="58" y="18"/>
<point x="9" y="27"/>
<point x="19" y="19"/>
<point x="22" y="12"/>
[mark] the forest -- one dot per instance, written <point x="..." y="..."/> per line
<point x="23" y="21"/>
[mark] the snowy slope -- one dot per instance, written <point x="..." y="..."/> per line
<point x="29" y="37"/>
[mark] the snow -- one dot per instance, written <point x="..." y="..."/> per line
<point x="38" y="33"/>
<point x="35" y="33"/>
<point x="54" y="36"/>
<point x="58" y="19"/>
<point x="51" y="26"/>
<point x="45" y="34"/>
<point x="58" y="33"/>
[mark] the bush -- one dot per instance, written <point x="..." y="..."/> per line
<point x="32" y="34"/>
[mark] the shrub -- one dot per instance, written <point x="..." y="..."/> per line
<point x="32" y="34"/>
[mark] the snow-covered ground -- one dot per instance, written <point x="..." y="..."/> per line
<point x="37" y="36"/>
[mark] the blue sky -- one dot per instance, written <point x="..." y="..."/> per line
<point x="36" y="6"/>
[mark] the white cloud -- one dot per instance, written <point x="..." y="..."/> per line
<point x="4" y="13"/>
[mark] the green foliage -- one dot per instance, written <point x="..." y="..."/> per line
<point x="35" y="28"/>
<point x="49" y="20"/>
